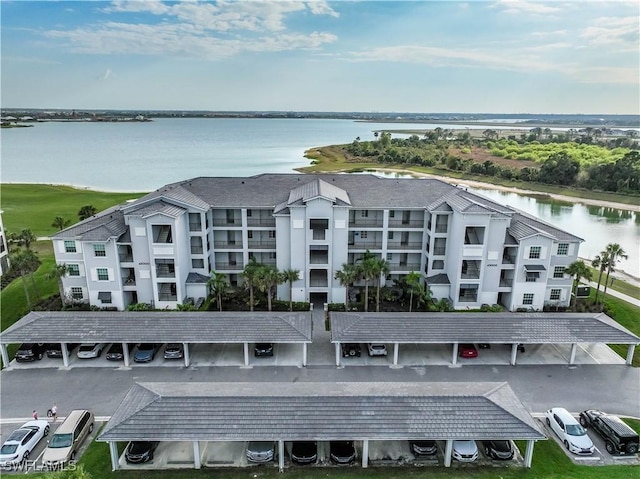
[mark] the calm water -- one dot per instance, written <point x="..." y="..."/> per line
<point x="145" y="156"/>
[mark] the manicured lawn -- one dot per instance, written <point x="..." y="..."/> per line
<point x="35" y="206"/>
<point x="620" y="286"/>
<point x="628" y="316"/>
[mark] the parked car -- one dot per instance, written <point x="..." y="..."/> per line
<point x="464" y="451"/>
<point x="262" y="349"/>
<point x="304" y="452"/>
<point x="351" y="350"/>
<point x="90" y="350"/>
<point x="423" y="448"/>
<point x="502" y="450"/>
<point x="145" y="352"/>
<point x="467" y="351"/>
<point x="66" y="441"/>
<point x="30" y="352"/>
<point x="174" y="351"/>
<point x="618" y="437"/>
<point x="569" y="430"/>
<point x="260" y="451"/>
<point x="342" y="452"/>
<point x="376" y="349"/>
<point x="484" y="346"/>
<point x="138" y="452"/>
<point x="21" y="442"/>
<point x="54" y="350"/>
<point x="115" y="352"/>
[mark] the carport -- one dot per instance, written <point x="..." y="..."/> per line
<point x="187" y="328"/>
<point x="490" y="328"/>
<point x="312" y="411"/>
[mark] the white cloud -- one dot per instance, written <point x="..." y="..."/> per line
<point x="522" y="6"/>
<point x="553" y="33"/>
<point x="152" y="6"/>
<point x="613" y="31"/>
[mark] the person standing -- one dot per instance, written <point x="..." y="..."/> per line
<point x="35" y="415"/>
<point x="54" y="412"/>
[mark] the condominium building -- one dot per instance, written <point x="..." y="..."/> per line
<point x="468" y="249"/>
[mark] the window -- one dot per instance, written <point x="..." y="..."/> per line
<point x="249" y="234"/>
<point x="76" y="293"/>
<point x="364" y="213"/>
<point x="363" y="234"/>
<point x="554" y="295"/>
<point x="563" y="249"/>
<point x="534" y="252"/>
<point x="104" y="297"/>
<point x="272" y="234"/>
<point x="392" y="214"/>
<point x="532" y="276"/>
<point x="103" y="274"/>
<point x="162" y="234"/>
<point x="249" y="213"/>
<point x="197" y="263"/>
<point x="527" y="298"/>
<point x="389" y="256"/>
<point x="70" y="246"/>
<point x="437" y="264"/>
<point x="558" y="272"/>
<point x="272" y="255"/>
<point x="73" y="270"/>
<point x="390" y="235"/>
<point x="99" y="250"/>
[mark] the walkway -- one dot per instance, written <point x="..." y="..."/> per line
<point x="613" y="292"/>
<point x="321" y="352"/>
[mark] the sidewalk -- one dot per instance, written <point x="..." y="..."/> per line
<point x="613" y="292"/>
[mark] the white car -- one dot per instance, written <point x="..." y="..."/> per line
<point x="570" y="432"/>
<point x="21" y="442"/>
<point x="464" y="451"/>
<point x="376" y="349"/>
<point x="90" y="350"/>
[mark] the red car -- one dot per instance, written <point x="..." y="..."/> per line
<point x="467" y="351"/>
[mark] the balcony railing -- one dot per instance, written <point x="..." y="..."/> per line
<point x="229" y="266"/>
<point x="227" y="245"/>
<point x="506" y="282"/>
<point x="405" y="267"/>
<point x="126" y="258"/>
<point x="167" y="297"/>
<point x="318" y="283"/>
<point x="406" y="224"/>
<point x="262" y="244"/>
<point x="362" y="245"/>
<point x="227" y="222"/>
<point x="266" y="222"/>
<point x="508" y="259"/>
<point x="195" y="226"/>
<point x="441" y="228"/>
<point x="129" y="280"/>
<point x="196" y="250"/>
<point x="368" y="223"/>
<point x="406" y="245"/>
<point x="439" y="251"/>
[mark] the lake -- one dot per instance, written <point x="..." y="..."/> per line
<point x="131" y="156"/>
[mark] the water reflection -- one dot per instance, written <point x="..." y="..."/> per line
<point x="612" y="215"/>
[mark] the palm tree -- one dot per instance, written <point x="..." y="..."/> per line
<point x="86" y="211"/>
<point x="268" y="278"/>
<point x="600" y="262"/>
<point x="23" y="262"/>
<point x="615" y="253"/>
<point x="250" y="276"/>
<point x="579" y="270"/>
<point x="368" y="268"/>
<point x="347" y="276"/>
<point x="290" y="276"/>
<point x="60" y="223"/>
<point x="58" y="272"/>
<point x="382" y="270"/>
<point x="424" y="296"/>
<point x="413" y="282"/>
<point x="218" y="285"/>
<point x="24" y="238"/>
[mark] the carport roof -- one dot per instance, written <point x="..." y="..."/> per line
<point x="159" y="327"/>
<point x="320" y="411"/>
<point x="437" y="328"/>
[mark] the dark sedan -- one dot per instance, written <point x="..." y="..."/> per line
<point x="138" y="452"/>
<point x="145" y="352"/>
<point x="263" y="349"/>
<point x="304" y="452"/>
<point x="54" y="350"/>
<point x="174" y="351"/>
<point x="342" y="452"/>
<point x="498" y="449"/>
<point x="423" y="448"/>
<point x="115" y="352"/>
<point x="30" y="352"/>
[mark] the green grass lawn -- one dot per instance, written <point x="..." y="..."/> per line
<point x="620" y="286"/>
<point x="35" y="206"/>
<point x="628" y="316"/>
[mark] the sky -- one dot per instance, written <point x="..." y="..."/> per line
<point x="502" y="56"/>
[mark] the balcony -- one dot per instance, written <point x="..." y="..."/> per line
<point x="405" y="245"/>
<point x="441" y="228"/>
<point x="406" y="224"/>
<point x="195" y="226"/>
<point x="365" y="245"/>
<point x="227" y="245"/>
<point x="237" y="222"/>
<point x="405" y="267"/>
<point x="165" y="271"/>
<point x="229" y="266"/>
<point x="129" y="280"/>
<point x="196" y="250"/>
<point x="365" y="222"/>
<point x="126" y="257"/>
<point x="262" y="244"/>
<point x="262" y="222"/>
<point x="508" y="259"/>
<point x="439" y="251"/>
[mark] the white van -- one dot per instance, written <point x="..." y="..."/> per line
<point x="66" y="441"/>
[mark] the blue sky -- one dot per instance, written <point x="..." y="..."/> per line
<point x="498" y="56"/>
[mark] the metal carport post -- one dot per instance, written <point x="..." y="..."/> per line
<point x="113" y="452"/>
<point x="5" y="355"/>
<point x="514" y="353"/>
<point x="65" y="354"/>
<point x="338" y="354"/>
<point x="365" y="453"/>
<point x="447" y="453"/>
<point x="281" y="455"/>
<point x="572" y="355"/>
<point x="125" y="354"/>
<point x="187" y="359"/>
<point x="454" y="359"/>
<point x="528" y="454"/>
<point x="196" y="455"/>
<point x="630" y="351"/>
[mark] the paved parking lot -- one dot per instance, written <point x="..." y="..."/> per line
<point x="322" y="353"/>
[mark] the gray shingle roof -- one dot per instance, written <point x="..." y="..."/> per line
<point x="101" y="227"/>
<point x="320" y="411"/>
<point x="318" y="188"/>
<point x="524" y="225"/>
<point x="157" y="207"/>
<point x="432" y="328"/>
<point x="159" y="327"/>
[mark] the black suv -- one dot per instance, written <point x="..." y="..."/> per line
<point x="619" y="438"/>
<point x="30" y="352"/>
<point x="351" y="349"/>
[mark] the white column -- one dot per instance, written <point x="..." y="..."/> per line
<point x="365" y="453"/>
<point x="5" y="355"/>
<point x="113" y="451"/>
<point x="514" y="353"/>
<point x="528" y="454"/>
<point x="304" y="354"/>
<point x="572" y="357"/>
<point x="396" y="349"/>
<point x="196" y="455"/>
<point x="455" y="354"/>
<point x="630" y="351"/>
<point x="338" y="354"/>
<point x="281" y="455"/>
<point x="187" y="358"/>
<point x="125" y="354"/>
<point x="447" y="453"/>
<point x="246" y="354"/>
<point x="65" y="354"/>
